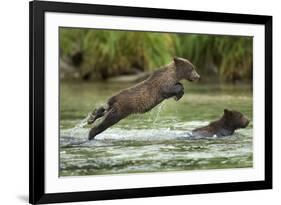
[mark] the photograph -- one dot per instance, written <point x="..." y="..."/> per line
<point x="134" y="102"/>
<point x="130" y="102"/>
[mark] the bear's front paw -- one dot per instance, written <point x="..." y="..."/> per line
<point x="179" y="95"/>
<point x="179" y="91"/>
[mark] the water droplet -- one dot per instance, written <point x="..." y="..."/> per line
<point x="78" y="126"/>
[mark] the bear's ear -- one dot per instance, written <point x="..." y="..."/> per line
<point x="177" y="60"/>
<point x="226" y="111"/>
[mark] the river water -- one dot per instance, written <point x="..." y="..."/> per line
<point x="156" y="141"/>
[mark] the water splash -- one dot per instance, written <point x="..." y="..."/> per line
<point x="159" y="109"/>
<point x="78" y="126"/>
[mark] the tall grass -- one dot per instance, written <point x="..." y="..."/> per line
<point x="226" y="57"/>
<point x="110" y="53"/>
<point x="105" y="53"/>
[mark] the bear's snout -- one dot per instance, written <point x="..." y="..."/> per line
<point x="195" y="76"/>
<point x="246" y="122"/>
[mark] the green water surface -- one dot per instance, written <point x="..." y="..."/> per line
<point x="156" y="141"/>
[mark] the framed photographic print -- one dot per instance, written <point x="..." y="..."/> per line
<point x="140" y="102"/>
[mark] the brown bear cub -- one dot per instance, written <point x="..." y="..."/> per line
<point x="225" y="126"/>
<point x="161" y="85"/>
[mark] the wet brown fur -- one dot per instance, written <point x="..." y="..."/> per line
<point x="147" y="94"/>
<point x="226" y="125"/>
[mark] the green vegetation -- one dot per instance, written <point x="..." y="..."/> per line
<point x="229" y="57"/>
<point x="99" y="54"/>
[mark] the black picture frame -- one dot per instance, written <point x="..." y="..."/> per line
<point x="37" y="9"/>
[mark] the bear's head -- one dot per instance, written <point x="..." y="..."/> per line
<point x="185" y="69"/>
<point x="235" y="119"/>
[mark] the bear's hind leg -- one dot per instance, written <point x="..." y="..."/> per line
<point x="97" y="113"/>
<point x="111" y="118"/>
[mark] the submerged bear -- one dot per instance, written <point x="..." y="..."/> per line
<point x="225" y="126"/>
<point x="161" y="85"/>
